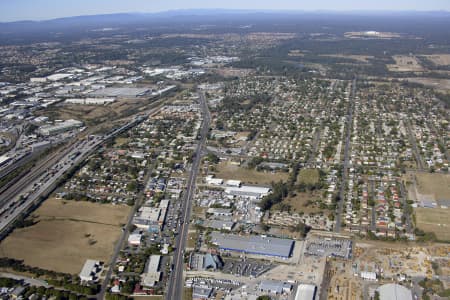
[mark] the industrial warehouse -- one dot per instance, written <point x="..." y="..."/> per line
<point x="259" y="245"/>
<point x="59" y="127"/>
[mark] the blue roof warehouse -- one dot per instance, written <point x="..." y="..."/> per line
<point x="259" y="245"/>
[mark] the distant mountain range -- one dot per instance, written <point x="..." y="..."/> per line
<point x="124" y="17"/>
<point x="225" y="17"/>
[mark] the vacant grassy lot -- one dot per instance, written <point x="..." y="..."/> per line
<point x="439" y="59"/>
<point x="405" y="63"/>
<point x="435" y="184"/>
<point x="187" y="293"/>
<point x="120" y="141"/>
<point x="435" y="220"/>
<point x="303" y="202"/>
<point x="358" y="58"/>
<point x="66" y="234"/>
<point x="192" y="239"/>
<point x="228" y="171"/>
<point x="95" y="114"/>
<point x="440" y="84"/>
<point x="308" y="176"/>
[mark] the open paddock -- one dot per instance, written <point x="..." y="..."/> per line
<point x="66" y="234"/>
<point x="434" y="220"/>
<point x="302" y="202"/>
<point x="227" y="171"/>
<point x="439" y="59"/>
<point x="441" y="84"/>
<point x="434" y="184"/>
<point x="405" y="63"/>
<point x="308" y="176"/>
<point x="357" y="58"/>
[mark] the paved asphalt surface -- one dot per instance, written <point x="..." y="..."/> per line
<point x="40" y="181"/>
<point x="65" y="163"/>
<point x="340" y="204"/>
<point x="33" y="174"/>
<point x="175" y="286"/>
<point x="413" y="142"/>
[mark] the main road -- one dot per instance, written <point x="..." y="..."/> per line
<point x="125" y="232"/>
<point x="340" y="204"/>
<point x="412" y="140"/>
<point x="175" y="285"/>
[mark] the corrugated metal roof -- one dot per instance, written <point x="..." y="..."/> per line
<point x="305" y="292"/>
<point x="253" y="244"/>
<point x="394" y="291"/>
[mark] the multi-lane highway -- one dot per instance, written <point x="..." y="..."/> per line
<point x="20" y="183"/>
<point x="175" y="285"/>
<point x="28" y="191"/>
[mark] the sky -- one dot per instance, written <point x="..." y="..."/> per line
<point x="14" y="10"/>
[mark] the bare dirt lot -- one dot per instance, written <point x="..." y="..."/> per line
<point x="66" y="234"/>
<point x="435" y="220"/>
<point x="394" y="258"/>
<point x="226" y="171"/>
<point x="405" y="63"/>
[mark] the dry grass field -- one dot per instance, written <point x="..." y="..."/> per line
<point x="308" y="176"/>
<point x="187" y="293"/>
<point x="434" y="184"/>
<point x="435" y="83"/>
<point x="435" y="220"/>
<point x="300" y="202"/>
<point x="95" y="114"/>
<point x="284" y="232"/>
<point x="358" y="58"/>
<point x="405" y="63"/>
<point x="120" y="141"/>
<point x="66" y="234"/>
<point x="439" y="59"/>
<point x="227" y="171"/>
<point x="192" y="239"/>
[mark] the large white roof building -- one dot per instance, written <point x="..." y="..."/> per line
<point x="392" y="291"/>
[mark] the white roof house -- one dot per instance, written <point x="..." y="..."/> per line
<point x="369" y="275"/>
<point x="135" y="239"/>
<point x="89" y="270"/>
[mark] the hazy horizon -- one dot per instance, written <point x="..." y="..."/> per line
<point x="37" y="10"/>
